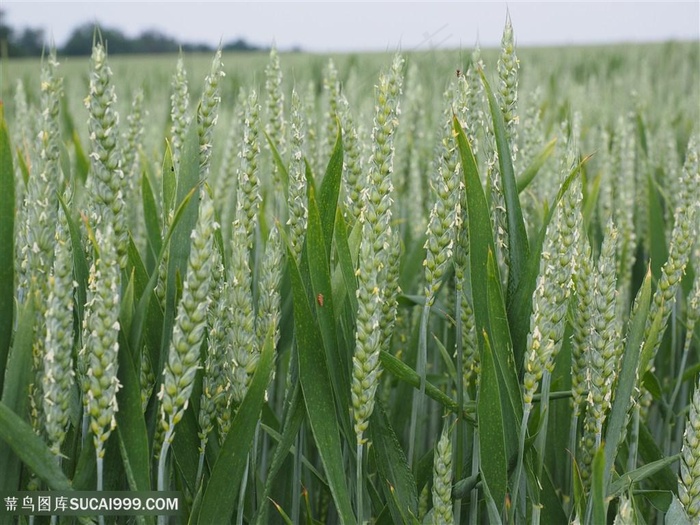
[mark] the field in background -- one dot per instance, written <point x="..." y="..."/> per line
<point x="365" y="289"/>
<point x="671" y="70"/>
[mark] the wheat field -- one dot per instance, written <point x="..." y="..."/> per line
<point x="418" y="287"/>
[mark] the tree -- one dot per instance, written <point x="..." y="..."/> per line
<point x="80" y="40"/>
<point x="30" y="42"/>
<point x="6" y="35"/>
<point x="5" y="30"/>
<point x="240" y="45"/>
<point x="153" y="41"/>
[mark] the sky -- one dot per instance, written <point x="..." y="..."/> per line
<point x="365" y="26"/>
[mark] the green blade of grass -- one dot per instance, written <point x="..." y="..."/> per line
<point x="277" y="158"/>
<point x="317" y="258"/>
<point x="7" y="244"/>
<point x="310" y="178"/>
<point x="506" y="370"/>
<point x="492" y="438"/>
<point x="550" y="499"/>
<point x="144" y="311"/>
<point x="346" y="264"/>
<point x="318" y="475"/>
<point x="423" y="472"/>
<point x="660" y="499"/>
<point x="150" y="214"/>
<point x="330" y="189"/>
<point x="406" y="374"/>
<point x="518" y="246"/>
<point x="598" y="503"/>
<point x="464" y="486"/>
<point x="590" y="200"/>
<point x="450" y="367"/>
<point x="489" y="306"/>
<point x="80" y="265"/>
<point x="282" y="513"/>
<point x="23" y="167"/>
<point x="140" y="277"/>
<point x="20" y="437"/>
<point x="179" y="248"/>
<point x="529" y="174"/>
<point x="625" y="482"/>
<point x="148" y="340"/>
<point x="126" y="301"/>
<point x="647" y="353"/>
<point x="186" y="442"/>
<point x="15" y="394"/>
<point x="398" y="483"/>
<point x="169" y="182"/>
<point x="491" y="508"/>
<point x="627" y="379"/>
<point x="85" y="477"/>
<point x="82" y="163"/>
<point x="318" y="394"/>
<point x="642" y="133"/>
<point x="579" y="490"/>
<point x="480" y="235"/>
<point x="657" y="235"/>
<point x="221" y="495"/>
<point x="292" y="424"/>
<point x="412" y="265"/>
<point x="665" y="478"/>
<point x="131" y="425"/>
<point x="520" y="304"/>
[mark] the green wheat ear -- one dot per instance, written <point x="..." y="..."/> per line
<point x="442" y="479"/>
<point x="214" y="381"/>
<point x="296" y="197"/>
<point x="179" y="112"/>
<point x="683" y="238"/>
<point x="689" y="482"/>
<point x="275" y="125"/>
<point x="443" y="221"/>
<point x="58" y="372"/>
<point x="208" y="113"/>
<point x="584" y="284"/>
<point x="354" y="162"/>
<point x="374" y="259"/>
<point x="38" y="224"/>
<point x="132" y="141"/>
<point x="100" y="337"/>
<point x="508" y="65"/>
<point x="108" y="182"/>
<point x="190" y="324"/>
<point x="552" y="292"/>
<point x="602" y="348"/>
<point x="331" y="88"/>
<point x="40" y="204"/>
<point x="244" y="349"/>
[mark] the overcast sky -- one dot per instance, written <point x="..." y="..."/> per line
<point x="358" y="26"/>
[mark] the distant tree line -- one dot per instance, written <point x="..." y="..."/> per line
<point x="31" y="41"/>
